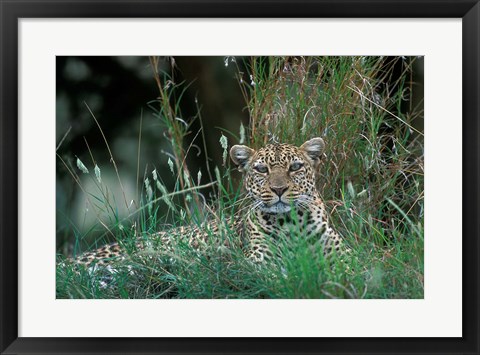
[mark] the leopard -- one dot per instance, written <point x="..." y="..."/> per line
<point x="280" y="186"/>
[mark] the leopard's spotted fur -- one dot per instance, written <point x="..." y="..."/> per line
<point x="278" y="177"/>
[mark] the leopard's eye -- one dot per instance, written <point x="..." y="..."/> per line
<point x="296" y="166"/>
<point x="261" y="168"/>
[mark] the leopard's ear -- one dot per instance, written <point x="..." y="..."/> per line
<point x="314" y="149"/>
<point x="241" y="155"/>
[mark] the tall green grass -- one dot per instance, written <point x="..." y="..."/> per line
<point x="371" y="179"/>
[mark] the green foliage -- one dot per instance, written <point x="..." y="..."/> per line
<point x="371" y="179"/>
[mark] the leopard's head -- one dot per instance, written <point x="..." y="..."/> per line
<point x="279" y="176"/>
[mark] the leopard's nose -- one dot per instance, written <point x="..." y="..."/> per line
<point x="279" y="190"/>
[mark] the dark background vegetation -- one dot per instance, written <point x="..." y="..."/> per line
<point x="118" y="90"/>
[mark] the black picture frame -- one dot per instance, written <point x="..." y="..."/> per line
<point x="12" y="11"/>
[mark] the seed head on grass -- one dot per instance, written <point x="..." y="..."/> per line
<point x="224" y="144"/>
<point x="186" y="178"/>
<point x="170" y="165"/>
<point x="199" y="177"/>
<point x="98" y="174"/>
<point x="82" y="167"/>
<point x="242" y="134"/>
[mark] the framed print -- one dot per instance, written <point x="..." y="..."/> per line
<point x="294" y="177"/>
